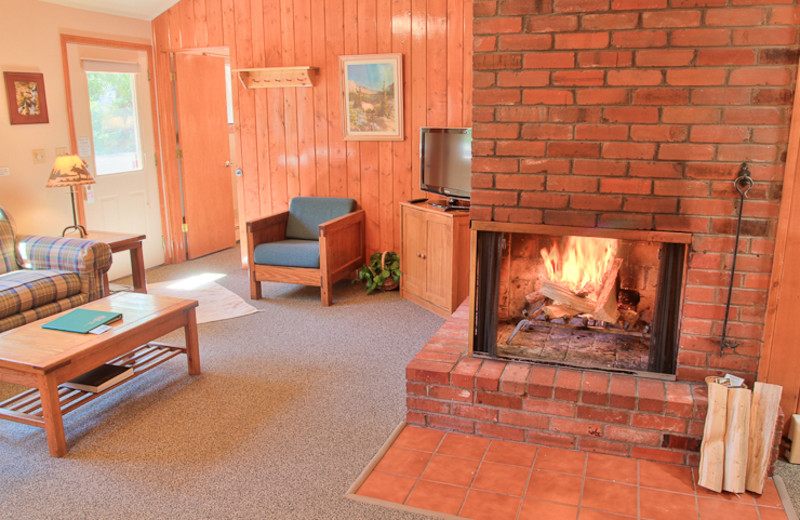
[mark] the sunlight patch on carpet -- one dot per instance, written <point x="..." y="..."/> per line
<point x="215" y="301"/>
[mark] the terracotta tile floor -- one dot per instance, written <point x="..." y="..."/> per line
<point x="476" y="477"/>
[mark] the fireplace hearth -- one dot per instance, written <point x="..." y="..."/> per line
<point x="587" y="298"/>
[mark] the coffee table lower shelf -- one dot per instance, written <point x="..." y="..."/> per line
<point x="26" y="407"/>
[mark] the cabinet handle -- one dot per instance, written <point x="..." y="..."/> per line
<point x="422" y="255"/>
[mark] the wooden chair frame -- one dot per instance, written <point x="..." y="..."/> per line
<point x="341" y="251"/>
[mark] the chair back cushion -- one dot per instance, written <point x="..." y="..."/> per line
<point x="307" y="213"/>
<point x="8" y="258"/>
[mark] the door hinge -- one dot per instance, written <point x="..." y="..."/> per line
<point x="148" y="74"/>
<point x="172" y="77"/>
<point x="185" y="227"/>
<point x="179" y="153"/>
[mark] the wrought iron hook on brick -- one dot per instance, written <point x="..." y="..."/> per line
<point x="743" y="183"/>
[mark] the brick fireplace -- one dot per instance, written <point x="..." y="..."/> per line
<point x="604" y="115"/>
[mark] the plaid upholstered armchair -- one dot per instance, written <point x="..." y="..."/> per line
<point x="40" y="276"/>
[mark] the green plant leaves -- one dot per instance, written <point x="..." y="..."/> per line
<point x="377" y="272"/>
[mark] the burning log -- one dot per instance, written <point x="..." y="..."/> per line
<point x="534" y="306"/>
<point x="554" y="312"/>
<point x="604" y="309"/>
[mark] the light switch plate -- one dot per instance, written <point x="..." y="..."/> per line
<point x="5" y="172"/>
<point x="61" y="150"/>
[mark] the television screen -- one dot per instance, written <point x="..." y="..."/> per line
<point x="446" y="161"/>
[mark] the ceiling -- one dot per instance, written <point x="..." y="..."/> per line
<point x="141" y="9"/>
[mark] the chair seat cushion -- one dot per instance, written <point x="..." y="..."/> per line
<point x="25" y="289"/>
<point x="288" y="253"/>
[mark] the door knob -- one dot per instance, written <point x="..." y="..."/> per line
<point x="228" y="164"/>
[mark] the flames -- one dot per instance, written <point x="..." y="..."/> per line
<point x="580" y="267"/>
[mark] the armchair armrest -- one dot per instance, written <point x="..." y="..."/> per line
<point x="260" y="224"/>
<point x="63" y="254"/>
<point x="89" y="258"/>
<point x="265" y="229"/>
<point x="341" y="244"/>
<point x="341" y="224"/>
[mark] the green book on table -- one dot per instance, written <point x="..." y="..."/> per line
<point x="82" y="320"/>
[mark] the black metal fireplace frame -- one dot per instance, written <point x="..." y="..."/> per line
<point x="489" y="243"/>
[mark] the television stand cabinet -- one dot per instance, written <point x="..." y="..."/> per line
<point x="434" y="257"/>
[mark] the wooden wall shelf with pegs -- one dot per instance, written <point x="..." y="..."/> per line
<point x="277" y="77"/>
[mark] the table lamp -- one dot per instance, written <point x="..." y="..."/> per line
<point x="70" y="170"/>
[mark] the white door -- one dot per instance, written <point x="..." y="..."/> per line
<point x="114" y="129"/>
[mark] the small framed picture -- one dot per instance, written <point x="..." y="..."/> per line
<point x="372" y="97"/>
<point x="26" y="99"/>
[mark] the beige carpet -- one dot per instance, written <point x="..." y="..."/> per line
<point x="215" y="302"/>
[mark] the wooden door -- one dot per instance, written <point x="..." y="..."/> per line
<point x="204" y="152"/>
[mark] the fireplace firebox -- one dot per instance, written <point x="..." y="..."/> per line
<point x="604" y="299"/>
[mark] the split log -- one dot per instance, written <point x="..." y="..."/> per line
<point x="603" y="309"/>
<point x="535" y="297"/>
<point x="534" y="304"/>
<point x="607" y="298"/>
<point x="737" y="424"/>
<point x="763" y="418"/>
<point x="554" y="312"/>
<point x="712" y="448"/>
<point x="628" y="316"/>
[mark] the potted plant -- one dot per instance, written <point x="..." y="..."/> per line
<point x="382" y="272"/>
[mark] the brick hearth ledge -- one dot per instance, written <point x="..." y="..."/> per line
<point x="618" y="414"/>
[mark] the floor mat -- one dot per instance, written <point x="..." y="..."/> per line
<point x="453" y="475"/>
<point x="215" y="301"/>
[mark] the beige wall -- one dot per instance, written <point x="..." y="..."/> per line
<point x="29" y="42"/>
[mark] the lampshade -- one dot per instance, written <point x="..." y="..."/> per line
<point x="69" y="170"/>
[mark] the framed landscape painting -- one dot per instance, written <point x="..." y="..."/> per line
<point x="372" y="97"/>
<point x="26" y="100"/>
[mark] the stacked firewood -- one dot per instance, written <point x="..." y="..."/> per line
<point x="556" y="301"/>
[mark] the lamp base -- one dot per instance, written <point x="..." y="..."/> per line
<point x="81" y="230"/>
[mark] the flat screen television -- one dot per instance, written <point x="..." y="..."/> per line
<point x="446" y="164"/>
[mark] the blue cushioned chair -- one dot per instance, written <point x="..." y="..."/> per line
<point x="318" y="242"/>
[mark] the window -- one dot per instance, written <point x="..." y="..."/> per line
<point x="115" y="122"/>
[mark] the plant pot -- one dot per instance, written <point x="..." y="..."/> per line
<point x="389" y="284"/>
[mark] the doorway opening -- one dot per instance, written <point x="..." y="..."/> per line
<point x="204" y="142"/>
<point x="111" y="103"/>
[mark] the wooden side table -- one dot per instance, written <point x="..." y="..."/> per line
<point x="125" y="242"/>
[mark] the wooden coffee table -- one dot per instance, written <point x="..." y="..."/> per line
<point x="43" y="359"/>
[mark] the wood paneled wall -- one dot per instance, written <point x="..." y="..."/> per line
<point x="290" y="140"/>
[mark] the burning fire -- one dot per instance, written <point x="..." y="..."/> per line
<point x="581" y="266"/>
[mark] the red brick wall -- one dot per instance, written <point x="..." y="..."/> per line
<point x="645" y="112"/>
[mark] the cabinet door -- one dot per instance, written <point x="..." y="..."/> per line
<point x="412" y="262"/>
<point x="439" y="258"/>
